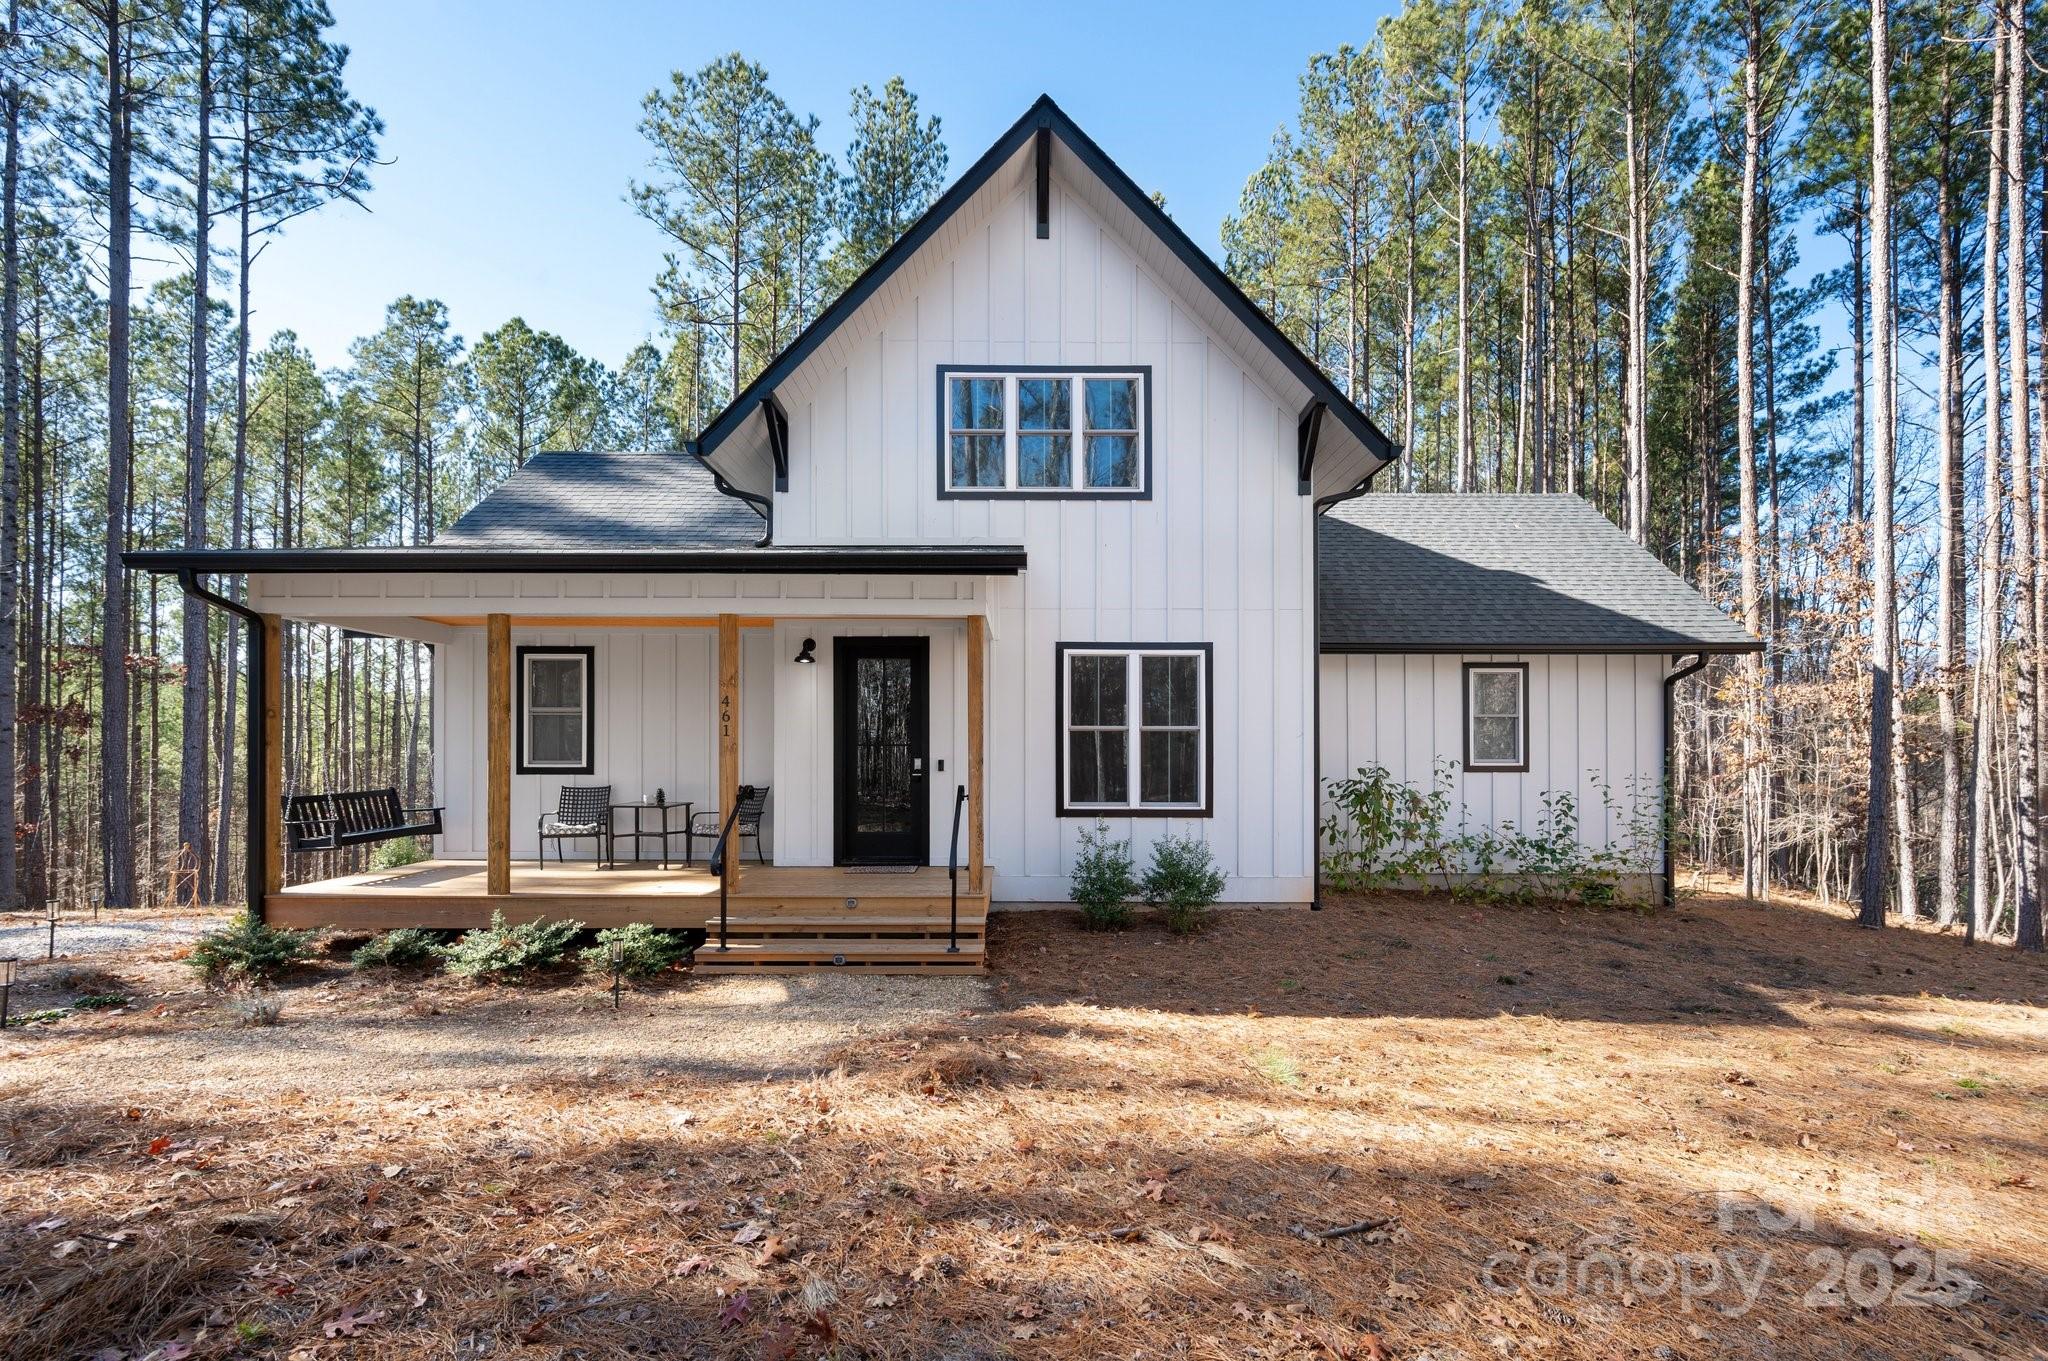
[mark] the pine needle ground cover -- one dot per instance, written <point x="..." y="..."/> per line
<point x="1405" y="1128"/>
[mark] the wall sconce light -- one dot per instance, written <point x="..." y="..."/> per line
<point x="807" y="655"/>
<point x="9" y="968"/>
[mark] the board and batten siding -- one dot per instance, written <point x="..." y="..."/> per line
<point x="657" y="695"/>
<point x="1220" y="552"/>
<point x="1594" y="720"/>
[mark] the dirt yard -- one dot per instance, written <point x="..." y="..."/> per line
<point x="1402" y="1128"/>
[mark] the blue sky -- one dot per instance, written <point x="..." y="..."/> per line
<point x="511" y="128"/>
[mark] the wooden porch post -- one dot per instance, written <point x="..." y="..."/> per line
<point x="729" y="732"/>
<point x="271" y="708"/>
<point x="977" y="742"/>
<point x="498" y="726"/>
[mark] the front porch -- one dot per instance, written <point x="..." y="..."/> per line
<point x="775" y="916"/>
<point x="889" y="766"/>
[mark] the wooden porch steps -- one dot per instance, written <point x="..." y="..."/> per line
<point x="926" y="955"/>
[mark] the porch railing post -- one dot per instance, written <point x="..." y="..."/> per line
<point x="953" y="872"/>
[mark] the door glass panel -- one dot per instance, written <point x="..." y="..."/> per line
<point x="883" y="746"/>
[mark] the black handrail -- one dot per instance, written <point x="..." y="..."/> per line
<point x="717" y="867"/>
<point x="953" y="871"/>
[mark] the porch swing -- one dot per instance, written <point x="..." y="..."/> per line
<point x="353" y="817"/>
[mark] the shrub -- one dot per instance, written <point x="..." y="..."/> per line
<point x="247" y="951"/>
<point x="644" y="950"/>
<point x="503" y="951"/>
<point x="1382" y="832"/>
<point x="1104" y="881"/>
<point x="1183" y="881"/>
<point x="397" y="853"/>
<point x="100" y="1001"/>
<point x="407" y="947"/>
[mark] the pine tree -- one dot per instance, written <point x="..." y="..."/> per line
<point x="722" y="143"/>
<point x="895" y="168"/>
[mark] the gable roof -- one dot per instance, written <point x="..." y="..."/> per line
<point x="593" y="500"/>
<point x="1438" y="572"/>
<point x="1372" y="447"/>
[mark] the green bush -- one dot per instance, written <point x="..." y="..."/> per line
<point x="1103" y="881"/>
<point x="247" y="951"/>
<point x="503" y="951"/>
<point x="1383" y="833"/>
<point x="406" y="948"/>
<point x="1183" y="881"/>
<point x="397" y="853"/>
<point x="644" y="950"/>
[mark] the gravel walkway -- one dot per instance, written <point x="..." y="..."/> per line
<point x="78" y="935"/>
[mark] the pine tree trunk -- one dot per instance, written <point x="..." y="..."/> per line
<point x="10" y="464"/>
<point x="1755" y="757"/>
<point x="116" y="806"/>
<point x="1463" y="472"/>
<point x="194" y="648"/>
<point x="1884" y="587"/>
<point x="1950" y="611"/>
<point x="2027" y="853"/>
<point x="1990" y="585"/>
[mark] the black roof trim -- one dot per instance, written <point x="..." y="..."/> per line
<point x="876" y="560"/>
<point x="1044" y="113"/>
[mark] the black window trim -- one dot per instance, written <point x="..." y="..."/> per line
<point x="589" y="655"/>
<point x="1143" y="492"/>
<point x="1110" y="813"/>
<point x="1487" y="767"/>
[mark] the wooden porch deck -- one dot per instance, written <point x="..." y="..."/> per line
<point x="785" y="917"/>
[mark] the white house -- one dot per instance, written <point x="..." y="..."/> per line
<point x="1021" y="534"/>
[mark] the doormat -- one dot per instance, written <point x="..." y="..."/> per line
<point x="880" y="869"/>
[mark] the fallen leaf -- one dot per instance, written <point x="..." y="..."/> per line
<point x="749" y="1232"/>
<point x="1401" y="1291"/>
<point x="735" y="1310"/>
<point x="351" y="1321"/>
<point x="774" y="1249"/>
<point x="514" y="1266"/>
<point x="690" y="1266"/>
<point x="882" y="1299"/>
<point x="158" y="1145"/>
<point x="779" y="1344"/>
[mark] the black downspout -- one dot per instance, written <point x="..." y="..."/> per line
<point x="1315" y="661"/>
<point x="762" y="505"/>
<point x="258" y="865"/>
<point x="1670" y="741"/>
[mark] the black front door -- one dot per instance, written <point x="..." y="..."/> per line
<point x="883" y="751"/>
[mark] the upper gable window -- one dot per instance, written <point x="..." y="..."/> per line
<point x="1081" y="431"/>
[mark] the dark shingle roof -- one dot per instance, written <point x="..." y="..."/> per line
<point x="1502" y="573"/>
<point x="620" y="500"/>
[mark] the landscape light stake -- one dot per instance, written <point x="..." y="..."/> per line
<point x="9" y="966"/>
<point x="618" y="960"/>
<point x="51" y="908"/>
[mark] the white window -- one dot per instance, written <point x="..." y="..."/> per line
<point x="557" y="720"/>
<point x="1135" y="722"/>
<point x="1077" y="432"/>
<point x="1496" y="716"/>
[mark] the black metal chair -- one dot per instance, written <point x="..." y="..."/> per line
<point x="753" y="801"/>
<point x="582" y="812"/>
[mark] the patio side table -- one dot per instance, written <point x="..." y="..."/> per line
<point x="662" y="831"/>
